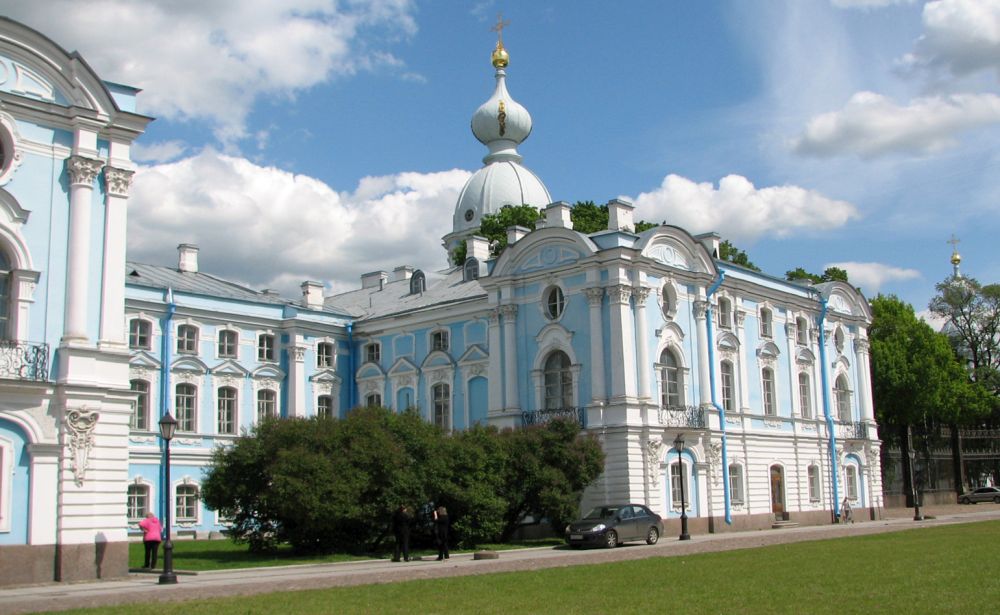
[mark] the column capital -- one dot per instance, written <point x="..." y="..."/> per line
<point x="509" y="311"/>
<point x="700" y="308"/>
<point x="297" y="353"/>
<point x="594" y="295"/>
<point x="862" y="345"/>
<point x="494" y="316"/>
<point x="118" y="181"/>
<point x="640" y="293"/>
<point x="83" y="171"/>
<point x="619" y="293"/>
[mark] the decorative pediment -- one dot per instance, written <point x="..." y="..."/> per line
<point x="325" y="376"/>
<point x="437" y="358"/>
<point x="268" y="372"/>
<point x="669" y="254"/>
<point x="671" y="332"/>
<point x="838" y="303"/>
<point x="768" y="350"/>
<point x="189" y="364"/>
<point x="728" y="341"/>
<point x="547" y="257"/>
<point x="370" y="370"/>
<point x="553" y="331"/>
<point x="805" y="356"/>
<point x="231" y="369"/>
<point x="144" y="360"/>
<point x="841" y="363"/>
<point x="26" y="82"/>
<point x="474" y="354"/>
<point x="403" y="366"/>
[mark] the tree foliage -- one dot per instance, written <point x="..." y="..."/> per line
<point x="831" y="274"/>
<point x="330" y="485"/>
<point x="972" y="311"/>
<point x="730" y="253"/>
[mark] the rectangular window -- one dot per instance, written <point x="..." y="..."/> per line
<point x="813" y="484"/>
<point x="228" y="344"/>
<point x="140" y="417"/>
<point x="852" y="483"/>
<point x="676" y="476"/>
<point x="187" y="339"/>
<point x="373" y="352"/>
<point x="805" y="396"/>
<point x="226" y="418"/>
<point x="735" y="484"/>
<point x="728" y="387"/>
<point x="139" y="334"/>
<point x="439" y="341"/>
<point x="186" y="406"/>
<point x="324" y="406"/>
<point x="767" y="382"/>
<point x="802" y="332"/>
<point x="265" y="347"/>
<point x="137" y="502"/>
<point x="442" y="406"/>
<point x="765" y="323"/>
<point x="187" y="503"/>
<point x="324" y="354"/>
<point x="266" y="404"/>
<point x="725" y="314"/>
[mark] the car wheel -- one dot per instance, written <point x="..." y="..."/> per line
<point x="996" y="500"/>
<point x="966" y="501"/>
<point x="652" y="536"/>
<point x="611" y="539"/>
<point x="576" y="546"/>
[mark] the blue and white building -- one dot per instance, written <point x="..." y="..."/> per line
<point x="640" y="337"/>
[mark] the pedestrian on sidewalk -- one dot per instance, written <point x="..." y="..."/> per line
<point x="152" y="532"/>
<point x="846" y="514"/>
<point x="401" y="530"/>
<point x="441" y="531"/>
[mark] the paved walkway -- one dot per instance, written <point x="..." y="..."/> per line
<point x="245" y="582"/>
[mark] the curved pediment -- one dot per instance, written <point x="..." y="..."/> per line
<point x="805" y="356"/>
<point x="271" y="372"/>
<point x="842" y="298"/>
<point x="546" y="248"/>
<point x="672" y="331"/>
<point x="728" y="341"/>
<point x="437" y="358"/>
<point x="768" y="349"/>
<point x="189" y="364"/>
<point x="230" y="368"/>
<point x="675" y="248"/>
<point x="370" y="370"/>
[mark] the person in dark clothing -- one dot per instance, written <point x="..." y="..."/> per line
<point x="401" y="530"/>
<point x="441" y="531"/>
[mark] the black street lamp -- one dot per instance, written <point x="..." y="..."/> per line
<point x="913" y="484"/>
<point x="168" y="425"/>
<point x="679" y="445"/>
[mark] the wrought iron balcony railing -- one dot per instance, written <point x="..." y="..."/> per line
<point x="24" y="361"/>
<point x="852" y="430"/>
<point x="683" y="416"/>
<point x="540" y="417"/>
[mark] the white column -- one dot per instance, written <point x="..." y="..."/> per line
<point x="864" y="380"/>
<point x="745" y="355"/>
<point x="82" y="172"/>
<point x="495" y="366"/>
<point x="296" y="378"/>
<point x="704" y="376"/>
<point x="595" y="297"/>
<point x="793" y="380"/>
<point x="640" y="293"/>
<point x="509" y="312"/>
<point x="622" y="342"/>
<point x="117" y="182"/>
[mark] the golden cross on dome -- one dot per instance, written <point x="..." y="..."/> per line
<point x="954" y="241"/>
<point x="498" y="28"/>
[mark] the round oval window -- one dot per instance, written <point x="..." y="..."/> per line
<point x="469" y="215"/>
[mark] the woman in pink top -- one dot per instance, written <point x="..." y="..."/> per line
<point x="152" y="531"/>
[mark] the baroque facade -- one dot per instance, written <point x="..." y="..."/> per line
<point x="640" y="337"/>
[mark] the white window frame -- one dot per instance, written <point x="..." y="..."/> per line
<point x="196" y="507"/>
<point x="440" y="340"/>
<point x="768" y="388"/>
<point x="736" y="492"/>
<point x="805" y="395"/>
<point x="328" y="411"/>
<point x="6" y="483"/>
<point x="554" y="303"/>
<point x="326" y="355"/>
<point x="802" y="331"/>
<point x="141" y="408"/>
<point x="814" y="483"/>
<point x="373" y="399"/>
<point x="187" y="422"/>
<point x="731" y="406"/>
<point x="671" y="375"/>
<point x="138" y="329"/>
<point x="725" y="316"/>
<point x="267" y="345"/>
<point x="842" y="397"/>
<point x="225" y="334"/>
<point x="766" y="317"/>
<point x="851" y="482"/>
<point x="441" y="405"/>
<point x="267" y="404"/>
<point x="373" y="352"/>
<point x="234" y="411"/>
<point x="187" y="338"/>
<point x="129" y="501"/>
<point x="679" y="468"/>
<point x="566" y="387"/>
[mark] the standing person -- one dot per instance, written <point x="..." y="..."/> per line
<point x="441" y="531"/>
<point x="152" y="532"/>
<point x="401" y="529"/>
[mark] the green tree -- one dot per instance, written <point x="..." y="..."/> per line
<point x="589" y="218"/>
<point x="494" y="228"/>
<point x="831" y="274"/>
<point x="972" y="311"/>
<point x="730" y="253"/>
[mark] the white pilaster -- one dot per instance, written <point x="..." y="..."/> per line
<point x="640" y="294"/>
<point x="745" y="357"/>
<point x="595" y="297"/>
<point x="864" y="380"/>
<point x="496" y="366"/>
<point x="704" y="376"/>
<point x="623" y="383"/>
<point x="117" y="183"/>
<point x="509" y="312"/>
<point x="296" y="377"/>
<point x="43" y="497"/>
<point x="82" y="172"/>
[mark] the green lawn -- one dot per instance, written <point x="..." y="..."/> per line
<point x="925" y="570"/>
<point x="200" y="555"/>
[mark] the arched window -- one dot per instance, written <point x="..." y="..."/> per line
<point x="736" y="483"/>
<point x="373" y="400"/>
<point x="267" y="404"/>
<point x="325" y="353"/>
<point x="728" y="386"/>
<point x="671" y="385"/>
<point x="677" y="474"/>
<point x="767" y="386"/>
<point x="558" y="381"/>
<point x="228" y="344"/>
<point x="843" y="395"/>
<point x="805" y="395"/>
<point x="5" y="271"/>
<point x="324" y="406"/>
<point x="186" y="406"/>
<point x="140" y="415"/>
<point x="138" y="333"/>
<point x="725" y="313"/>
<point x="555" y="302"/>
<point x="187" y="503"/>
<point x="137" y="501"/>
<point x="441" y="393"/>
<point x="766" y="325"/>
<point x="418" y="283"/>
<point x="814" y="483"/>
<point x="470" y="270"/>
<point x="187" y="339"/>
<point x="226" y="416"/>
<point x="265" y="347"/>
<point x="801" y="331"/>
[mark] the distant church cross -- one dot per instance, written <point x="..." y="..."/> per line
<point x="954" y="241"/>
<point x="498" y="28"/>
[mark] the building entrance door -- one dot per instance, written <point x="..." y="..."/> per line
<point x="777" y="490"/>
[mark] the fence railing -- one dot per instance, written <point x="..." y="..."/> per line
<point x="540" y="417"/>
<point x="24" y="361"/>
<point x="852" y="430"/>
<point x="683" y="416"/>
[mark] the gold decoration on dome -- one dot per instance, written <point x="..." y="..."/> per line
<point x="502" y="118"/>
<point x="500" y="56"/>
<point x="956" y="258"/>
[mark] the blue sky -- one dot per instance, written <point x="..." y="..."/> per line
<point x="309" y="139"/>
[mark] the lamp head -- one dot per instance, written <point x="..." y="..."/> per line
<point x="679" y="442"/>
<point x="168" y="425"/>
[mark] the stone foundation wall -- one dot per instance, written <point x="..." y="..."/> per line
<point x="29" y="564"/>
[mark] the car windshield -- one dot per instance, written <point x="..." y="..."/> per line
<point x="603" y="512"/>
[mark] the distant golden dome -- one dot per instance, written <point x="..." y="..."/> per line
<point x="956" y="258"/>
<point x="500" y="56"/>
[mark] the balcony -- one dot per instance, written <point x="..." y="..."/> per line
<point x="683" y="416"/>
<point x="540" y="417"/>
<point x="851" y="431"/>
<point x="24" y="361"/>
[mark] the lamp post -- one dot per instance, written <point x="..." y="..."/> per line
<point x="913" y="483"/>
<point x="679" y="445"/>
<point x="168" y="425"/>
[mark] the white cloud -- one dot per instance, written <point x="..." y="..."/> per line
<point x="871" y="276"/>
<point x="962" y="36"/>
<point x="936" y="322"/>
<point x="740" y="211"/>
<point x="867" y="4"/>
<point x="270" y="228"/>
<point x="213" y="60"/>
<point x="872" y="125"/>
<point x="161" y="151"/>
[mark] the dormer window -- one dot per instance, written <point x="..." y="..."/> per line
<point x="418" y="283"/>
<point x="470" y="269"/>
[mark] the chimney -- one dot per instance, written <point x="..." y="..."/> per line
<point x="187" y="258"/>
<point x="312" y="294"/>
<point x="516" y="232"/>
<point x="374" y="279"/>
<point x="557" y="215"/>
<point x="401" y="273"/>
<point x="711" y="243"/>
<point x="620" y="215"/>
<point x="478" y="248"/>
